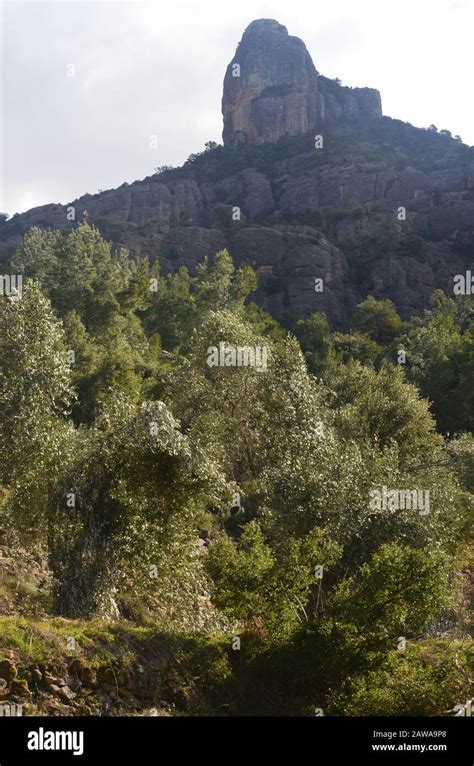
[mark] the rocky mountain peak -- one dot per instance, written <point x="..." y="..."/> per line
<point x="265" y="25"/>
<point x="270" y="86"/>
<point x="272" y="89"/>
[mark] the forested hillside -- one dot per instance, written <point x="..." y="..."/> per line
<point x="206" y="511"/>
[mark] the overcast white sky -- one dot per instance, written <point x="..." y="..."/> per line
<point x="156" y="68"/>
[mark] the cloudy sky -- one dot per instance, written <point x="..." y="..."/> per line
<point x="84" y="85"/>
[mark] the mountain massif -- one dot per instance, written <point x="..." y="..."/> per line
<point x="208" y="512"/>
<point x="326" y="197"/>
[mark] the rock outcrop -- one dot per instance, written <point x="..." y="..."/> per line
<point x="337" y="102"/>
<point x="306" y="214"/>
<point x="270" y="86"/>
<point x="272" y="89"/>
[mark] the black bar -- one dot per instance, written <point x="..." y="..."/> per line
<point x="317" y="740"/>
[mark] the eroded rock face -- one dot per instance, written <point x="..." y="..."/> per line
<point x="272" y="89"/>
<point x="337" y="102"/>
<point x="270" y="86"/>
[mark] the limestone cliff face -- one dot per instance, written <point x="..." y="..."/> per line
<point x="270" y="86"/>
<point x="272" y="89"/>
<point x="337" y="102"/>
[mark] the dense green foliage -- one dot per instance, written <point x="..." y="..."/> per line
<point x="238" y="498"/>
